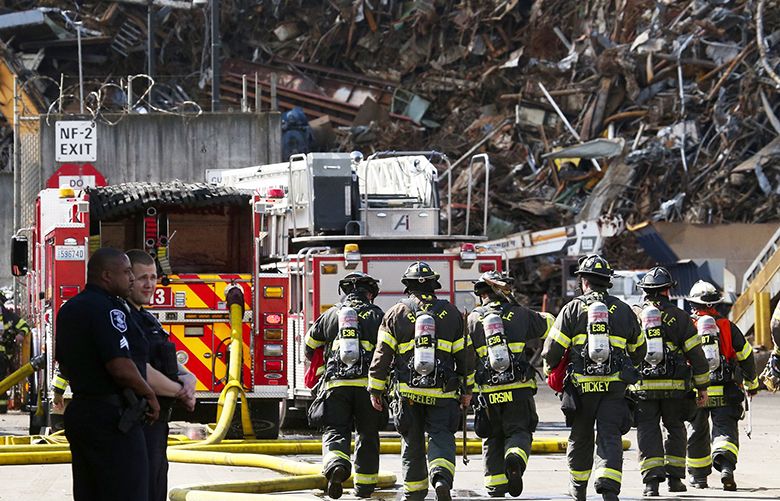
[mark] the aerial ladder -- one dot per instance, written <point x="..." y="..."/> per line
<point x="760" y="287"/>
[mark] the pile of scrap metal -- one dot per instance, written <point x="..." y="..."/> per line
<point x="647" y="109"/>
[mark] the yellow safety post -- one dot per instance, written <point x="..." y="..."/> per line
<point x="762" y="315"/>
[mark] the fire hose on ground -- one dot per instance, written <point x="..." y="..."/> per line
<point x="22" y="373"/>
<point x="212" y="450"/>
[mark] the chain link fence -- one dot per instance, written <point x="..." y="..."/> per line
<point x="31" y="181"/>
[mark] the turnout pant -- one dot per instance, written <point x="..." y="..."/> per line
<point x="722" y="446"/>
<point x="5" y="371"/>
<point x="440" y="421"/>
<point x="156" y="435"/>
<point x="349" y="408"/>
<point x="106" y="463"/>
<point x="610" y="414"/>
<point x="512" y="425"/>
<point x="661" y="457"/>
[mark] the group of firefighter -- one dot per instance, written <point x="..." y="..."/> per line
<point x="613" y="366"/>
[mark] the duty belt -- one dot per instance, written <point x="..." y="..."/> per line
<point x="109" y="398"/>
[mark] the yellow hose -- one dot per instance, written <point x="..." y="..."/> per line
<point x="21" y="373"/>
<point x="267" y="447"/>
<point x="229" y="396"/>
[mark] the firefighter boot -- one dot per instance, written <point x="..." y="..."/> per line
<point x="578" y="493"/>
<point x="676" y="485"/>
<point x="727" y="477"/>
<point x="651" y="488"/>
<point x="609" y="496"/>
<point x="335" y="477"/>
<point x="362" y="491"/>
<point x="442" y="489"/>
<point x="698" y="482"/>
<point x="514" y="473"/>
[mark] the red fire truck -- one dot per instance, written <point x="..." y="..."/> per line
<point x="286" y="233"/>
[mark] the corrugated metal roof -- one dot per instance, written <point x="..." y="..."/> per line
<point x="687" y="273"/>
<point x="652" y="242"/>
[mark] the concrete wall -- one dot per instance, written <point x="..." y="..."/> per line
<point x="162" y="147"/>
<point x="152" y="147"/>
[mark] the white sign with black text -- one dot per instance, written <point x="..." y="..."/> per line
<point x="75" y="141"/>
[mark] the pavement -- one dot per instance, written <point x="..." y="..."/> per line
<point x="545" y="479"/>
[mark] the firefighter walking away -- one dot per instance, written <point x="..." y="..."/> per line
<point x="730" y="362"/>
<point x="505" y="416"/>
<point x="422" y="342"/>
<point x="604" y="343"/>
<point x="673" y="366"/>
<point x="347" y="333"/>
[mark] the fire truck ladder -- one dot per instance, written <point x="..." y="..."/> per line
<point x="301" y="273"/>
<point x="760" y="285"/>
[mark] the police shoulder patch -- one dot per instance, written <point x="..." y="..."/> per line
<point x="118" y="320"/>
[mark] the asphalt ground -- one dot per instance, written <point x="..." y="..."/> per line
<point x="757" y="474"/>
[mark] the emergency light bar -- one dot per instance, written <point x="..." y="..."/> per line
<point x="351" y="256"/>
<point x="468" y="254"/>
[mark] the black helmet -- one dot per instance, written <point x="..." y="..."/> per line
<point x="481" y="286"/>
<point x="594" y="265"/>
<point x="358" y="279"/>
<point x="420" y="272"/>
<point x="657" y="278"/>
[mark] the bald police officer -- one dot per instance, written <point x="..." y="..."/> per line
<point x="94" y="343"/>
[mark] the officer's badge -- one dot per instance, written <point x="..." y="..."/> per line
<point x="118" y="320"/>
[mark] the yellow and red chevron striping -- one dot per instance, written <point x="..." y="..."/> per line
<point x="206" y="292"/>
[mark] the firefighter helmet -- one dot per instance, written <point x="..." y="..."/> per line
<point x="420" y="272"/>
<point x="358" y="279"/>
<point x="705" y="293"/>
<point x="594" y="265"/>
<point x="656" y="279"/>
<point x="481" y="286"/>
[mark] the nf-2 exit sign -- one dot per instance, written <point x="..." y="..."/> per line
<point x="76" y="141"/>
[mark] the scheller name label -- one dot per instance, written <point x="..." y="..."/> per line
<point x="420" y="399"/>
<point x="206" y="316"/>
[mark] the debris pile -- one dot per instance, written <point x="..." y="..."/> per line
<point x="648" y="110"/>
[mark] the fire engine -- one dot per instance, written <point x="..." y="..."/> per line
<point x="286" y="233"/>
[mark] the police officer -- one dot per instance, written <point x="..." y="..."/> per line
<point x="604" y="344"/>
<point x="94" y="340"/>
<point x="673" y="366"/>
<point x="170" y="381"/>
<point x="423" y="343"/>
<point x="13" y="331"/>
<point x="499" y="329"/>
<point x="726" y="350"/>
<point x="348" y="333"/>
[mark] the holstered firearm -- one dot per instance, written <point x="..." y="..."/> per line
<point x="134" y="413"/>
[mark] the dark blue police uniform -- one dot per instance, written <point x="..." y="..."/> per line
<point x="93" y="328"/>
<point x="162" y="356"/>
